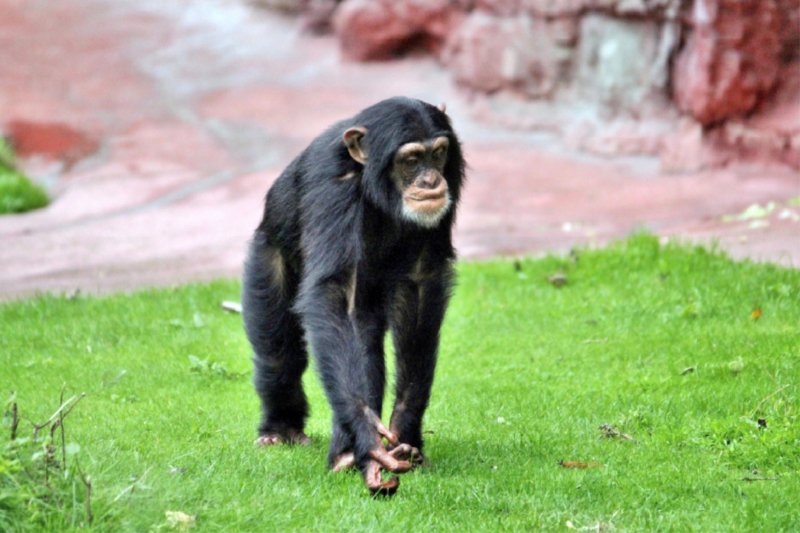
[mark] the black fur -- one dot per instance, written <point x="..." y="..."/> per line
<point x="325" y="217"/>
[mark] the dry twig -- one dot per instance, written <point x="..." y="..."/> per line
<point x="14" y="421"/>
<point x="765" y="399"/>
<point x="788" y="404"/>
<point x="37" y="427"/>
<point x="611" y="431"/>
<point x="87" y="480"/>
<point x="133" y="485"/>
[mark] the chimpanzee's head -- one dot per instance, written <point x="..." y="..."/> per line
<point x="412" y="160"/>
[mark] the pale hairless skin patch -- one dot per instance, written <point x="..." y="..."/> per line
<point x="418" y="274"/>
<point x="276" y="266"/>
<point x="411" y="148"/>
<point x="350" y="293"/>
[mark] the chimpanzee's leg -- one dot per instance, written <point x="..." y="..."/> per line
<point x="277" y="338"/>
<point x="418" y="313"/>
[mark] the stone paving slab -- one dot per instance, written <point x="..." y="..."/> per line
<point x="199" y="104"/>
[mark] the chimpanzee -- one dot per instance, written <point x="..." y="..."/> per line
<point x="355" y="240"/>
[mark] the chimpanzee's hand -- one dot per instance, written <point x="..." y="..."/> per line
<point x="399" y="460"/>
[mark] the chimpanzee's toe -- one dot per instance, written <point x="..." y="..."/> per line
<point x="293" y="437"/>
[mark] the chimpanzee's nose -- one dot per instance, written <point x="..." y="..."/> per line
<point x="430" y="180"/>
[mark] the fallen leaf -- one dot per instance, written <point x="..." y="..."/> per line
<point x="752" y="212"/>
<point x="559" y="279"/>
<point x="590" y="341"/>
<point x="576" y="464"/>
<point x="788" y="214"/>
<point x="73" y="294"/>
<point x="756" y="314"/>
<point x="232" y="307"/>
<point x="688" y="370"/>
<point x="610" y="431"/>
<point x="180" y="521"/>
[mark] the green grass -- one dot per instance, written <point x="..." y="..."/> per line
<point x="527" y="374"/>
<point x="17" y="193"/>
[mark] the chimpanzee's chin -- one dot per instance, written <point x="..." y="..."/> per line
<point x="427" y="218"/>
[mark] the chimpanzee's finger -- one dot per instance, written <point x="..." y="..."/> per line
<point x="406" y="452"/>
<point x="376" y="485"/>
<point x="384" y="432"/>
<point x="388" y="462"/>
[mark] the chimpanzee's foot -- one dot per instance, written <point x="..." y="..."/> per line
<point x="292" y="437"/>
<point x="345" y="461"/>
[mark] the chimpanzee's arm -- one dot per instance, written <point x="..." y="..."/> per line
<point x="417" y="318"/>
<point x="327" y="305"/>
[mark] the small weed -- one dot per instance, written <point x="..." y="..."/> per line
<point x="209" y="367"/>
<point x="37" y="485"/>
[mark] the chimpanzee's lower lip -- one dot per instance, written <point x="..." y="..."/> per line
<point x="437" y="196"/>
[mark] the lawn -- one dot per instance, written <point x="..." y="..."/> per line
<point x="690" y="359"/>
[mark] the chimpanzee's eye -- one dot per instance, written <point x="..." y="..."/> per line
<point x="439" y="155"/>
<point x="411" y="163"/>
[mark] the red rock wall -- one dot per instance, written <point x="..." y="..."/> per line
<point x="710" y="60"/>
<point x="730" y="60"/>
<point x="382" y="29"/>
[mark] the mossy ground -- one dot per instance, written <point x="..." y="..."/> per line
<point x="17" y="193"/>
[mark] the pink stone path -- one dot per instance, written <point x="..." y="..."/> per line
<point x="199" y="104"/>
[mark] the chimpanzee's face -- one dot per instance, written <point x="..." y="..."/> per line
<point x="418" y="173"/>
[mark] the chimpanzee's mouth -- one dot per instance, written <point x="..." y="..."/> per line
<point x="430" y="203"/>
<point x="433" y="196"/>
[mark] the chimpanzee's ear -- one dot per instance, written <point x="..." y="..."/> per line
<point x="352" y="138"/>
